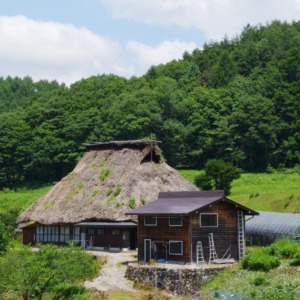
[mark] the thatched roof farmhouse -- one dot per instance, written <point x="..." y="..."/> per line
<point x="111" y="179"/>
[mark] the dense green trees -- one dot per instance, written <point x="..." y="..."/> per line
<point x="235" y="100"/>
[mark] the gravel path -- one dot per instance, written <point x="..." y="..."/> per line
<point x="112" y="274"/>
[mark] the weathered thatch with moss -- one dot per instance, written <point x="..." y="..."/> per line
<point x="110" y="179"/>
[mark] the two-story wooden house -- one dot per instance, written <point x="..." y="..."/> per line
<point x="188" y="226"/>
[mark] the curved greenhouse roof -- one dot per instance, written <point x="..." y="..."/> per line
<point x="274" y="223"/>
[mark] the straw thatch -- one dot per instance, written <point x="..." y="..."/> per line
<point x="109" y="180"/>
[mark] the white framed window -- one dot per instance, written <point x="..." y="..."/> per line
<point x="175" y="247"/>
<point x="209" y="220"/>
<point x="175" y="221"/>
<point x="150" y="221"/>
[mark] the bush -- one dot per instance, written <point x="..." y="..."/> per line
<point x="203" y="181"/>
<point x="269" y="294"/>
<point x="104" y="174"/>
<point x="131" y="202"/>
<point x="284" y="249"/>
<point x="295" y="262"/>
<point x="259" y="261"/>
<point x="66" y="291"/>
<point x="260" y="280"/>
<point x="218" y="174"/>
<point x="117" y="191"/>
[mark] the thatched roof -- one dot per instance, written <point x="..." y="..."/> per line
<point x="110" y="179"/>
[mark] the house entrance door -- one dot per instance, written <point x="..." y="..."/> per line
<point x="125" y="239"/>
<point x="147" y="250"/>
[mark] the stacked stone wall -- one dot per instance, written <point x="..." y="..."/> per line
<point x="178" y="281"/>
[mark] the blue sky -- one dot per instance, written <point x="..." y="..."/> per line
<point x="68" y="40"/>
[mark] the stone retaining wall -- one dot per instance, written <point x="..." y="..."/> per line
<point x="179" y="281"/>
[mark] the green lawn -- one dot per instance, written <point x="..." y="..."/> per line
<point x="21" y="198"/>
<point x="267" y="192"/>
<point x="189" y="174"/>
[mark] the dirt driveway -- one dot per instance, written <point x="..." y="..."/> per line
<point x="112" y="274"/>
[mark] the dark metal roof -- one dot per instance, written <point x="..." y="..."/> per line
<point x="274" y="223"/>
<point x="106" y="224"/>
<point x="184" y="203"/>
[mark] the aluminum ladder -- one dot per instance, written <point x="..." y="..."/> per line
<point x="241" y="234"/>
<point x="199" y="253"/>
<point x="212" y="249"/>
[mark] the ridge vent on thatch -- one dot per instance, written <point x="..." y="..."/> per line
<point x="122" y="144"/>
<point x="150" y="148"/>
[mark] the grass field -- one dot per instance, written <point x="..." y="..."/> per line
<point x="234" y="282"/>
<point x="21" y="198"/>
<point x="278" y="192"/>
<point x="267" y="192"/>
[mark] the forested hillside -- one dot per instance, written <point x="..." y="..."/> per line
<point x="238" y="100"/>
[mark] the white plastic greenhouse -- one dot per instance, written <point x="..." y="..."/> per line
<point x="267" y="226"/>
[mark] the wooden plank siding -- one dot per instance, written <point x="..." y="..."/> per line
<point x="163" y="232"/>
<point x="225" y="235"/>
<point x="28" y="236"/>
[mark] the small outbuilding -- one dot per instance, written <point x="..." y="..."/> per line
<point x="195" y="226"/>
<point x="268" y="226"/>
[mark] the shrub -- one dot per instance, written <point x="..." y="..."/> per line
<point x="104" y="174"/>
<point x="117" y="191"/>
<point x="284" y="249"/>
<point x="131" y="202"/>
<point x="110" y="201"/>
<point x="80" y="185"/>
<point x="66" y="291"/>
<point x="95" y="193"/>
<point x="253" y="195"/>
<point x="295" y="262"/>
<point x="119" y="204"/>
<point x="259" y="261"/>
<point x="109" y="191"/>
<point x="260" y="280"/>
<point x="297" y="169"/>
<point x="203" y="181"/>
<point x="269" y="294"/>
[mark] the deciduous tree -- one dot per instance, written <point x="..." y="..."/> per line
<point x="218" y="175"/>
<point x="30" y="274"/>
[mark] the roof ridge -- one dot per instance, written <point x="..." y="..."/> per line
<point x="191" y="194"/>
